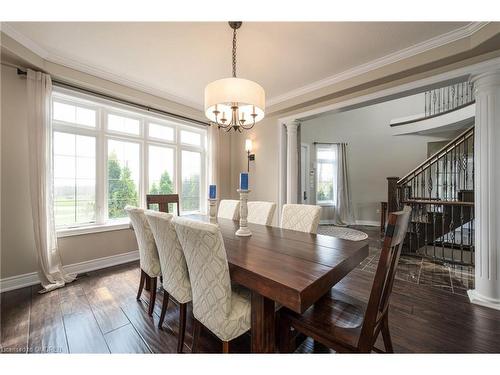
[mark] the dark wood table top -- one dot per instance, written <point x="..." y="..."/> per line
<point x="289" y="267"/>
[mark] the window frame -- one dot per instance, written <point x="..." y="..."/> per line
<point x="334" y="163"/>
<point x="102" y="134"/>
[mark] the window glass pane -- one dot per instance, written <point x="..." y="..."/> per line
<point x="74" y="114"/>
<point x="161" y="132"/>
<point x="123" y="177"/>
<point x="161" y="170"/>
<point x="74" y="179"/>
<point x="123" y="124"/>
<point x="191" y="177"/>
<point x="326" y="164"/>
<point x="190" y="138"/>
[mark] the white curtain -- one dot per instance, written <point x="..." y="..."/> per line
<point x="343" y="205"/>
<point x="214" y="157"/>
<point x="50" y="270"/>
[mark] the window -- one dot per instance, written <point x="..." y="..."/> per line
<point x="107" y="156"/>
<point x="326" y="170"/>
<point x="74" y="179"/>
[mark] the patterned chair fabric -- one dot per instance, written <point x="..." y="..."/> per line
<point x="148" y="254"/>
<point x="229" y="209"/>
<point x="226" y="312"/>
<point x="172" y="261"/>
<point x="261" y="212"/>
<point x="300" y="217"/>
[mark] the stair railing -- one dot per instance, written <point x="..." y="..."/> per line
<point x="448" y="98"/>
<point x="441" y="193"/>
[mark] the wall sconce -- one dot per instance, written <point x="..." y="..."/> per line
<point x="248" y="149"/>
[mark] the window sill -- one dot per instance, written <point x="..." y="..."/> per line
<point x="325" y="204"/>
<point x="68" y="232"/>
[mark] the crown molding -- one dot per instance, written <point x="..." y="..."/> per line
<point x="405" y="53"/>
<point x="96" y="71"/>
<point x="100" y="72"/>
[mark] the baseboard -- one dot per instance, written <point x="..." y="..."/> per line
<point x="368" y="222"/>
<point x="28" y="279"/>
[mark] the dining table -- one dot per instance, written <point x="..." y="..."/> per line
<point x="286" y="267"/>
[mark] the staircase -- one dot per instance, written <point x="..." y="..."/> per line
<point x="440" y="192"/>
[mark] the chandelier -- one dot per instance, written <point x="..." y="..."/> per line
<point x="234" y="103"/>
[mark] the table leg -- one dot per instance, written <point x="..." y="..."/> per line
<point x="263" y="330"/>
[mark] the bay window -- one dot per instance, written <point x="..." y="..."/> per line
<point x="107" y="155"/>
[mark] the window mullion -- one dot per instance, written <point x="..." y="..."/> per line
<point x="101" y="175"/>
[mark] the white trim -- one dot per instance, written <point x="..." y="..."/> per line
<point x="407" y="88"/>
<point x="28" y="279"/>
<point x="391" y="58"/>
<point x="18" y="281"/>
<point x="435" y="42"/>
<point x="477" y="299"/>
<point x="108" y="227"/>
<point x="370" y="223"/>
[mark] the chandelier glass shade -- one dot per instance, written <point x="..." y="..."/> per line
<point x="234" y="103"/>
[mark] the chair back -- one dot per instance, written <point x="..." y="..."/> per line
<point x="163" y="200"/>
<point x="148" y="253"/>
<point x="378" y="303"/>
<point x="229" y="209"/>
<point x="206" y="260"/>
<point x="261" y="212"/>
<point x="172" y="261"/>
<point x="300" y="217"/>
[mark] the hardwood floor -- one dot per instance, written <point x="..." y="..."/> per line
<point x="99" y="313"/>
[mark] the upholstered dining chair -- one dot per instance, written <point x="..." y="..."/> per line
<point x="175" y="280"/>
<point x="148" y="254"/>
<point x="344" y="323"/>
<point x="229" y="209"/>
<point x="300" y="217"/>
<point x="261" y="212"/>
<point x="216" y="305"/>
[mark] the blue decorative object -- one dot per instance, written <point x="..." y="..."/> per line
<point x="212" y="191"/>
<point x="243" y="181"/>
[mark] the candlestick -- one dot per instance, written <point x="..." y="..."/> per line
<point x="243" y="231"/>
<point x="212" y="210"/>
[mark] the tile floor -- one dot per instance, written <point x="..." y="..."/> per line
<point x="450" y="278"/>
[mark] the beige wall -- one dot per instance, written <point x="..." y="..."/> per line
<point x="373" y="152"/>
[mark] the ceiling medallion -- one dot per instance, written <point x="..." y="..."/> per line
<point x="234" y="103"/>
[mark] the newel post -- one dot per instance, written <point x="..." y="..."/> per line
<point x="392" y="194"/>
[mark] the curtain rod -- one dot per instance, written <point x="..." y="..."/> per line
<point x="330" y="143"/>
<point x="122" y="101"/>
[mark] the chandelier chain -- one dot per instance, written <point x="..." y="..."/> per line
<point x="234" y="53"/>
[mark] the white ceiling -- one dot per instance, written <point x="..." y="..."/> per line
<point x="177" y="60"/>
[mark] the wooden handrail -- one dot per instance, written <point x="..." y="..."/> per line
<point x="438" y="155"/>
<point x="438" y="202"/>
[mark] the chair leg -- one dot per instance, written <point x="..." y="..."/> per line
<point x="386" y="335"/>
<point x="182" y="326"/>
<point x="141" y="284"/>
<point x="284" y="335"/>
<point x="225" y="347"/>
<point x="196" y="335"/>
<point x="152" y="296"/>
<point x="164" y="307"/>
<point x="147" y="286"/>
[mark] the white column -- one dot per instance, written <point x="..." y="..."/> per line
<point x="292" y="162"/>
<point x="487" y="190"/>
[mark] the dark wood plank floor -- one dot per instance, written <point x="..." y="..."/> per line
<point x="99" y="313"/>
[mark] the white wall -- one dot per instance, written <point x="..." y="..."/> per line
<point x="373" y="152"/>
